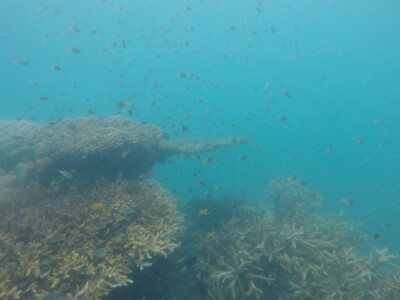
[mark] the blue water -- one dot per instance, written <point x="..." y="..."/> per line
<point x="223" y="69"/>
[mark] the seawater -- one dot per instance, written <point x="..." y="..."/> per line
<point x="312" y="84"/>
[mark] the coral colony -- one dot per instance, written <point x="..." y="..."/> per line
<point x="292" y="253"/>
<point x="78" y="214"/>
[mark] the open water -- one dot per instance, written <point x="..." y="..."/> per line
<point x="314" y="85"/>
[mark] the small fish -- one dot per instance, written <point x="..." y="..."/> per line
<point x="56" y="182"/>
<point x="55" y="67"/>
<point x="387" y="225"/>
<point x="210" y="234"/>
<point x="42" y="98"/>
<point x="41" y="162"/>
<point x="97" y="206"/>
<point x="359" y="140"/>
<point x="201" y="183"/>
<point x="182" y="259"/>
<point x="198" y="276"/>
<point x="184" y="128"/>
<point x="66" y="174"/>
<point x="376" y="237"/>
<point x="347" y="201"/>
<point x="285" y="92"/>
<point x="129" y="112"/>
<point x="207" y="161"/>
<point x="124" y="104"/>
<point x="379" y="122"/>
<point x="203" y="212"/>
<point x="243" y="157"/>
<point x="218" y="186"/>
<point x="20" y="62"/>
<point x="74" y="50"/>
<point x="272" y="28"/>
<point x="282" y="118"/>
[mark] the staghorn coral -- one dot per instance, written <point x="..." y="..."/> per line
<point x="58" y="244"/>
<point x="292" y="199"/>
<point x="264" y="257"/>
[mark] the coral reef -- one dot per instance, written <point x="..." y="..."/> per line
<point x="62" y="244"/>
<point x="293" y="199"/>
<point x="15" y="147"/>
<point x="271" y="255"/>
<point x="77" y="213"/>
<point x="83" y="137"/>
<point x="108" y="147"/>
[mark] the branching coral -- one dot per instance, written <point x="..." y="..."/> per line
<point x="59" y="244"/>
<point x="303" y="257"/>
<point x="76" y="213"/>
<point x="292" y="199"/>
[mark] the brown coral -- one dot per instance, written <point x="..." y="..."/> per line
<point x="58" y="244"/>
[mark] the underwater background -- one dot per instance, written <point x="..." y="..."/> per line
<point x="311" y="85"/>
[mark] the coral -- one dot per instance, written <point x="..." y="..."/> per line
<point x="76" y="212"/>
<point x="83" y="137"/>
<point x="56" y="244"/>
<point x="15" y="147"/>
<point x="292" y="199"/>
<point x="270" y="255"/>
<point x="111" y="147"/>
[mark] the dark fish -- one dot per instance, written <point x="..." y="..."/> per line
<point x="207" y="161"/>
<point x="376" y="237"/>
<point x="243" y="157"/>
<point x="272" y="28"/>
<point x="55" y="67"/>
<point x="201" y="183"/>
<point x="42" y="98"/>
<point x="360" y="140"/>
<point x="282" y="118"/>
<point x="124" y="104"/>
<point x="74" y="50"/>
<point x="285" y="92"/>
